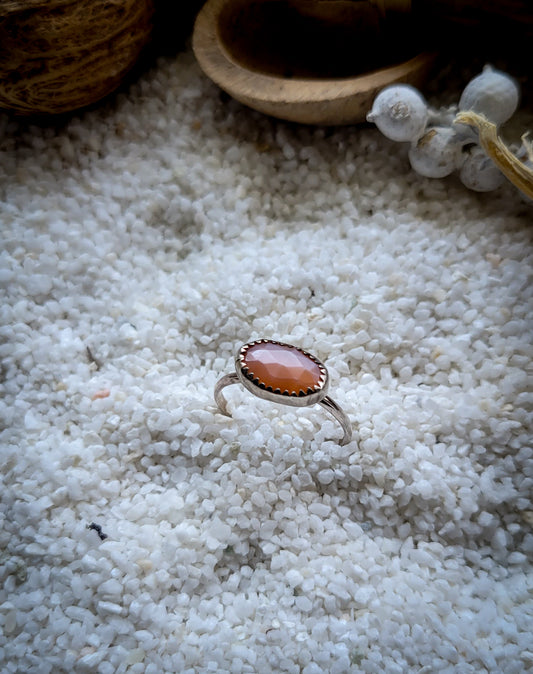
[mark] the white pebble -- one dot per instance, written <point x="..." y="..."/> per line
<point x="303" y="604"/>
<point x="109" y="607"/>
<point x="326" y="476"/>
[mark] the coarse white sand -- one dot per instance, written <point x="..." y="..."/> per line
<point x="143" y="242"/>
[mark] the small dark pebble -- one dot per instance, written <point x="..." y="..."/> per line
<point x="98" y="530"/>
<point x="92" y="358"/>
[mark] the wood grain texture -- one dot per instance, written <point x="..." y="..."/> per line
<point x="324" y="100"/>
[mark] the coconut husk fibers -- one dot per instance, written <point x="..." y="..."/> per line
<point x="60" y="55"/>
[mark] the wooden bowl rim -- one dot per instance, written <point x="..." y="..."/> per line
<point x="239" y="81"/>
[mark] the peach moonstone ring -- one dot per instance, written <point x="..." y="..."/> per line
<point x="284" y="374"/>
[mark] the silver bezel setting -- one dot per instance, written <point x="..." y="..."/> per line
<point x="259" y="389"/>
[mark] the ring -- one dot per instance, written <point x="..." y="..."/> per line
<point x="282" y="373"/>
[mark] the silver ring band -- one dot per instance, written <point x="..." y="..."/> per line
<point x="284" y="374"/>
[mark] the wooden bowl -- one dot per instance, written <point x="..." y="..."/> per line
<point x="308" y="61"/>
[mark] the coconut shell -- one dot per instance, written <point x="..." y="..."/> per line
<point x="60" y="55"/>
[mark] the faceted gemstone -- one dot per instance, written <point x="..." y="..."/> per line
<point x="282" y="368"/>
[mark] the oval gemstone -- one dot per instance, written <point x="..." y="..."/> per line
<point x="282" y="368"/>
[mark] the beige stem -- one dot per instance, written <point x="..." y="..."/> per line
<point x="512" y="168"/>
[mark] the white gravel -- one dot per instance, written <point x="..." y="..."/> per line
<point x="143" y="243"/>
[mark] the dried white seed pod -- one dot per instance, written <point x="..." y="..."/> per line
<point x="400" y="113"/>
<point x="437" y="154"/>
<point x="479" y="173"/>
<point x="493" y="93"/>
